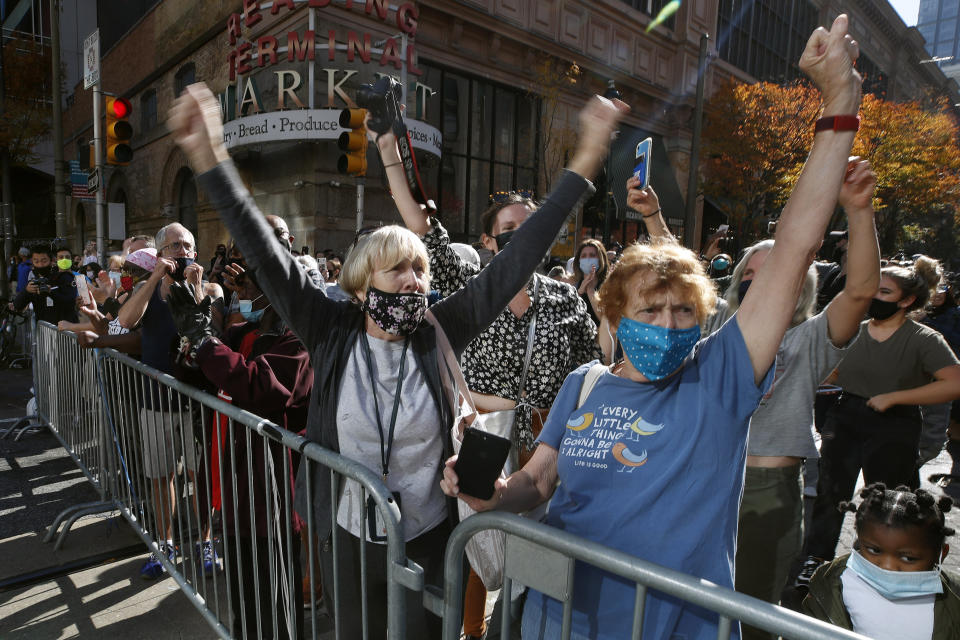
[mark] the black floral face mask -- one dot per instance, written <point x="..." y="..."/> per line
<point x="396" y="313"/>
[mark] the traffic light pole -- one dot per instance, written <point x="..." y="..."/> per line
<point x="360" y="185"/>
<point x="98" y="157"/>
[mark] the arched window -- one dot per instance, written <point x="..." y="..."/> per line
<point x="185" y="199"/>
<point x="186" y="75"/>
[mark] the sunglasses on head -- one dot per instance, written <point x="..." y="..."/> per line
<point x="499" y="197"/>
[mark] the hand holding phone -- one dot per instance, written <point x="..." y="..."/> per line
<point x="480" y="462"/>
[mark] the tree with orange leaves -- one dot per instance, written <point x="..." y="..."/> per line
<point x="916" y="156"/>
<point x="756" y="139"/>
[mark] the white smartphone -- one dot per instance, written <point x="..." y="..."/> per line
<point x="83" y="291"/>
<point x="641" y="166"/>
<point x="723" y="228"/>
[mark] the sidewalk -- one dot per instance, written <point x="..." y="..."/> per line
<point x="109" y="600"/>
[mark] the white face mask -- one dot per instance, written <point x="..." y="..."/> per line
<point x="587" y="264"/>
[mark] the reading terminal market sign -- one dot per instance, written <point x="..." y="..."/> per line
<point x="248" y="119"/>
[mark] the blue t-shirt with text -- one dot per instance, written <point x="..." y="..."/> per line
<point x="654" y="469"/>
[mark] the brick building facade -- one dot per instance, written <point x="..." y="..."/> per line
<point x="500" y="80"/>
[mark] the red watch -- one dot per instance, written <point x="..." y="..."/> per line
<point x="837" y="123"/>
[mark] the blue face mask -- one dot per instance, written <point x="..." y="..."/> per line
<point x="246" y="310"/>
<point x="586" y="264"/>
<point x="894" y="585"/>
<point x="654" y="351"/>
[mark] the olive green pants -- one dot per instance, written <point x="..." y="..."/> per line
<point x="770" y="534"/>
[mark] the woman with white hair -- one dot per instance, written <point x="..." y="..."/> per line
<point x="770" y="532"/>
<point x="377" y="380"/>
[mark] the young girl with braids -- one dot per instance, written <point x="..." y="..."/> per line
<point x="891" y="585"/>
<point x="895" y="365"/>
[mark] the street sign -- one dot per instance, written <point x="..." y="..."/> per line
<point x="91" y="60"/>
<point x="93" y="181"/>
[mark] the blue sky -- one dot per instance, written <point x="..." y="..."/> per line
<point x="908" y="10"/>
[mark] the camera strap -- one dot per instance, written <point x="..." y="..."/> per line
<point x="410" y="166"/>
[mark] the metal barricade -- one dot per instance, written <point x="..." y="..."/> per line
<point x="543" y="558"/>
<point x="68" y="403"/>
<point x="235" y="490"/>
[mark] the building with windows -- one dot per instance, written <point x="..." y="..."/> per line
<point x="939" y="24"/>
<point x="492" y="90"/>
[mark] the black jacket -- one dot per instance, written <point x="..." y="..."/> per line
<point x="59" y="304"/>
<point x="329" y="329"/>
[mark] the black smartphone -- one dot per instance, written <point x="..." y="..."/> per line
<point x="480" y="462"/>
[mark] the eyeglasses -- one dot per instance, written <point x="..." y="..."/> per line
<point x="177" y="246"/>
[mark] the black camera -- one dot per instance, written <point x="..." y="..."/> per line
<point x="42" y="284"/>
<point x="382" y="100"/>
<point x="178" y="273"/>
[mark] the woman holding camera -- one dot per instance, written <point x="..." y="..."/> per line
<point x="652" y="462"/>
<point x="379" y="342"/>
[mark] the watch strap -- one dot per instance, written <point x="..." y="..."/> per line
<point x="837" y="123"/>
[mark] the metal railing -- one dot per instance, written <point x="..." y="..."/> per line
<point x="227" y="478"/>
<point x="543" y="557"/>
<point x="220" y="474"/>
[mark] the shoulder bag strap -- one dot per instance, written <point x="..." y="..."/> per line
<point x="531" y="335"/>
<point x="589" y="382"/>
<point x="454" y="384"/>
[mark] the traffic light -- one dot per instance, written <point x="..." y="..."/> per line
<point x="119" y="131"/>
<point x="353" y="143"/>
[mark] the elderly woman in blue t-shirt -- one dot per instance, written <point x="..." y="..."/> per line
<point x="652" y="462"/>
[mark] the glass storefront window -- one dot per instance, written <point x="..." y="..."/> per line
<point x="490" y="137"/>
<point x="505" y="126"/>
<point x="481" y="120"/>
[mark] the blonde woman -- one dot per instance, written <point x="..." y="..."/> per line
<point x="376" y="350"/>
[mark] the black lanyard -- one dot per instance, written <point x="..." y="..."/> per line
<point x="385" y="448"/>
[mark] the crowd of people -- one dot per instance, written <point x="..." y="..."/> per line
<point x="660" y="402"/>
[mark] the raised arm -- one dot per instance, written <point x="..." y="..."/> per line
<point x="466" y="313"/>
<point x="647" y="204"/>
<point x="131" y="313"/>
<point x="413" y="216"/>
<point x="196" y="127"/>
<point x="846" y="310"/>
<point x="768" y="306"/>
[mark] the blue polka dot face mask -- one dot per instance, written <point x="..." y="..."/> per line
<point x="654" y="351"/>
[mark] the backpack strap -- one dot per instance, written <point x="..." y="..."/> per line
<point x="590" y="381"/>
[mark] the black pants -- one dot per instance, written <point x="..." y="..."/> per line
<point x="855" y="437"/>
<point x="427" y="550"/>
<point x="244" y="583"/>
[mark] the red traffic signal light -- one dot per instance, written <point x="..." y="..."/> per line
<point x="353" y="143"/>
<point x="119" y="131"/>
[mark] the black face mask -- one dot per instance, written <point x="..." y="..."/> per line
<point x="503" y="239"/>
<point x="742" y="290"/>
<point x="882" y="309"/>
<point x="43" y="271"/>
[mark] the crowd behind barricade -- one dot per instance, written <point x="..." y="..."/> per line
<point x="671" y="405"/>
